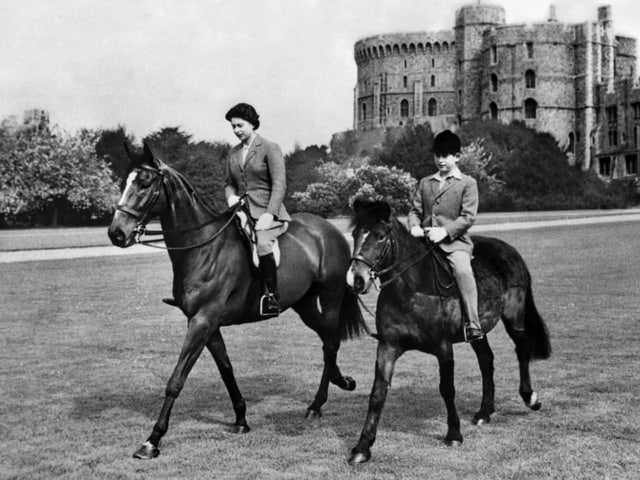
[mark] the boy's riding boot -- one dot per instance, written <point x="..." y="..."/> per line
<point x="472" y="331"/>
<point x="269" y="306"/>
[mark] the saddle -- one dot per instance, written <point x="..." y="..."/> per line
<point x="246" y="226"/>
<point x="442" y="282"/>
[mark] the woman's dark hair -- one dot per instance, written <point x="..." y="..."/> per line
<point x="245" y="112"/>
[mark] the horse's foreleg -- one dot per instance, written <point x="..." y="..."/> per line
<point x="385" y="363"/>
<point x="219" y="352"/>
<point x="485" y="360"/>
<point x="194" y="342"/>
<point x="448" y="392"/>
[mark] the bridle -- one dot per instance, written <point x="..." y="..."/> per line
<point x="389" y="247"/>
<point x="143" y="214"/>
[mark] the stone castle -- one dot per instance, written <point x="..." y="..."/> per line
<point x="575" y="81"/>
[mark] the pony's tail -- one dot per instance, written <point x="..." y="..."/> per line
<point x="352" y="322"/>
<point x="535" y="329"/>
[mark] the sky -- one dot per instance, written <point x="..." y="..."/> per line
<point x="149" y="64"/>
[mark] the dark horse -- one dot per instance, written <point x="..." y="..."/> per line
<point x="416" y="312"/>
<point x="215" y="283"/>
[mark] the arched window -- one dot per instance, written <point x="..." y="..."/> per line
<point x="364" y="112"/>
<point x="404" y="108"/>
<point x="572" y="143"/>
<point x="494" y="82"/>
<point x="493" y="111"/>
<point x="530" y="79"/>
<point x="530" y="107"/>
<point x="433" y="80"/>
<point x="433" y="107"/>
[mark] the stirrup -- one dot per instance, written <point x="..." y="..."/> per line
<point x="269" y="306"/>
<point x="472" y="334"/>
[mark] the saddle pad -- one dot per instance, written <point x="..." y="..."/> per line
<point x="251" y="235"/>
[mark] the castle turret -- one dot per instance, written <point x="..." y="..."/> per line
<point x="471" y="23"/>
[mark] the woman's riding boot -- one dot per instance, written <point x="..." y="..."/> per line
<point x="269" y="306"/>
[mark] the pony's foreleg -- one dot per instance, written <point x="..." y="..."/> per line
<point x="194" y="342"/>
<point x="219" y="352"/>
<point x="448" y="392"/>
<point x="385" y="363"/>
<point x="485" y="360"/>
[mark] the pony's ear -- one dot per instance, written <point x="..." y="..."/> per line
<point x="383" y="210"/>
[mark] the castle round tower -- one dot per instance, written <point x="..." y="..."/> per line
<point x="403" y="78"/>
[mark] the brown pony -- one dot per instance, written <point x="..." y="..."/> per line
<point x="418" y="309"/>
<point x="215" y="283"/>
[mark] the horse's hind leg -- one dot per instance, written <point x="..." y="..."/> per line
<point x="523" y="353"/>
<point x="485" y="361"/>
<point x="326" y="326"/>
<point x="218" y="350"/>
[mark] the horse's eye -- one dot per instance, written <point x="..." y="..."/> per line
<point x="380" y="236"/>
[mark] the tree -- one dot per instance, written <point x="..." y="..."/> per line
<point x="54" y="176"/>
<point x="301" y="169"/>
<point x="410" y="153"/>
<point x="110" y="147"/>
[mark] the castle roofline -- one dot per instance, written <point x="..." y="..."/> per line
<point x="432" y="36"/>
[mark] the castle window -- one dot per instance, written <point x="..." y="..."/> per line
<point x="494" y="54"/>
<point x="404" y="108"/>
<point x="612" y="124"/>
<point x="412" y="48"/>
<point x="636" y="111"/>
<point x="433" y="80"/>
<point x="631" y="164"/>
<point x="494" y="82"/>
<point x="604" y="166"/>
<point x="405" y="64"/>
<point x="405" y="81"/>
<point x="433" y="107"/>
<point x="433" y="62"/>
<point x="445" y="47"/>
<point x="493" y="111"/>
<point x="436" y="47"/>
<point x="530" y="107"/>
<point x="529" y="49"/>
<point x="396" y="49"/>
<point x="364" y="112"/>
<point x="572" y="144"/>
<point x="530" y="79"/>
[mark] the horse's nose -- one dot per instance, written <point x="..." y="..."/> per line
<point x="117" y="237"/>
<point x="358" y="284"/>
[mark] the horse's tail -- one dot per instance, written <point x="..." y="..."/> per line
<point x="352" y="322"/>
<point x="535" y="328"/>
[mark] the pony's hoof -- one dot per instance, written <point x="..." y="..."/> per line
<point x="480" y="419"/>
<point x="313" y="414"/>
<point x="358" y="458"/>
<point x="240" y="429"/>
<point x="148" y="451"/>
<point x="533" y="403"/>
<point x="453" y="443"/>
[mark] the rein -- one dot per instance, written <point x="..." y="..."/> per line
<point x="389" y="245"/>
<point x="142" y="217"/>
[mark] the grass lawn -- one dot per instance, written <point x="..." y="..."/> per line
<point x="87" y="347"/>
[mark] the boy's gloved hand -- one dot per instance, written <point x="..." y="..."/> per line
<point x="436" y="234"/>
<point x="417" y="231"/>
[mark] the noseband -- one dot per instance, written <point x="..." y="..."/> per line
<point x="142" y="214"/>
<point x="389" y="247"/>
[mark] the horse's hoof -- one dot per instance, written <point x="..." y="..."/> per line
<point x="453" y="443"/>
<point x="350" y="384"/>
<point x="313" y="413"/>
<point x="359" y="457"/>
<point x="148" y="451"/>
<point x="240" y="429"/>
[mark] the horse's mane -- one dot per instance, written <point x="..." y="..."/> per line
<point x="178" y="181"/>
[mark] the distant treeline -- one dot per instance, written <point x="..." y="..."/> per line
<point x="56" y="178"/>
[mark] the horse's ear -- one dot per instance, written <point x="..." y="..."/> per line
<point x="134" y="158"/>
<point x="148" y="157"/>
